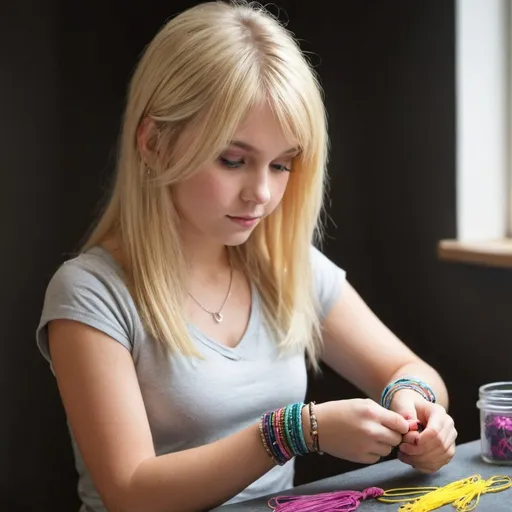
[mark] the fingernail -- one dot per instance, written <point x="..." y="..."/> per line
<point x="408" y="417"/>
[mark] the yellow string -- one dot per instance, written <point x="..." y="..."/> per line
<point x="464" y="495"/>
<point x="404" y="494"/>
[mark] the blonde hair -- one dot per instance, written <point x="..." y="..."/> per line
<point x="204" y="70"/>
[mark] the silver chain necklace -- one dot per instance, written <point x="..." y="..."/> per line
<point x="217" y="315"/>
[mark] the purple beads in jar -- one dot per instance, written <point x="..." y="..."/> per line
<point x="495" y="404"/>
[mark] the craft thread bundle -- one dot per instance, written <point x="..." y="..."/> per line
<point x="498" y="437"/>
<point x="342" y="501"/>
<point x="495" y="404"/>
<point x="464" y="495"/>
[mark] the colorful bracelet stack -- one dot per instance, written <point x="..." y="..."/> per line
<point x="406" y="383"/>
<point x="282" y="434"/>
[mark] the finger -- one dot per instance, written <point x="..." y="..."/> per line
<point x="369" y="458"/>
<point x="452" y="437"/>
<point x="435" y="424"/>
<point x="412" y="446"/>
<point x="382" y="449"/>
<point x="430" y="440"/>
<point x="410" y="437"/>
<point x="394" y="421"/>
<point x="433" y="447"/>
<point x="418" y="465"/>
<point x="449" y="435"/>
<point x="432" y="460"/>
<point x="425" y="467"/>
<point x="412" y="449"/>
<point x="386" y="436"/>
<point x="413" y="425"/>
<point x="411" y="442"/>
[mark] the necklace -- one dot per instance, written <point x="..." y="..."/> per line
<point x="217" y="315"/>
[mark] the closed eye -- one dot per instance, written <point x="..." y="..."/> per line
<point x="231" y="164"/>
<point x="279" y="167"/>
<point x="235" y="164"/>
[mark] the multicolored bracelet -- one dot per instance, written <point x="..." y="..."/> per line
<point x="406" y="383"/>
<point x="282" y="434"/>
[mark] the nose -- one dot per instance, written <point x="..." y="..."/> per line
<point x="257" y="187"/>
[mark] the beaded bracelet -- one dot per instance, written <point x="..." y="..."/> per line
<point x="282" y="434"/>
<point x="314" y="429"/>
<point x="406" y="383"/>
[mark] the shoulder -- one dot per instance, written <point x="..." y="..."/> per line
<point x="89" y="288"/>
<point x="92" y="270"/>
<point x="328" y="278"/>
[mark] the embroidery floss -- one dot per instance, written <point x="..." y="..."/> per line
<point x="337" y="501"/>
<point x="464" y="495"/>
<point x="495" y="404"/>
<point x="497" y="438"/>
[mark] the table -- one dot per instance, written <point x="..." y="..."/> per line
<point x="392" y="474"/>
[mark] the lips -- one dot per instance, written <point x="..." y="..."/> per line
<point x="245" y="221"/>
<point x="245" y="217"/>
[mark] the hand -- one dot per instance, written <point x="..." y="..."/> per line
<point x="428" y="450"/>
<point x="359" y="430"/>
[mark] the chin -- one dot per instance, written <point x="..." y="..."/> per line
<point x="238" y="239"/>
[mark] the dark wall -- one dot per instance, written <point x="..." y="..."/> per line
<point x="388" y="73"/>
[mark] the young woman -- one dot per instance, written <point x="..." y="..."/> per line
<point x="180" y="335"/>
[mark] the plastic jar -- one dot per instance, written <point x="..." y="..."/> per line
<point x="495" y="404"/>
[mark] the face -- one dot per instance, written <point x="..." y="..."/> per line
<point x="229" y="197"/>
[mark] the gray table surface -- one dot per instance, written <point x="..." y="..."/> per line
<point x="392" y="474"/>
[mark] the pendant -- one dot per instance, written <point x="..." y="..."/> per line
<point x="218" y="317"/>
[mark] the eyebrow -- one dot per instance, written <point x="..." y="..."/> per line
<point x="248" y="147"/>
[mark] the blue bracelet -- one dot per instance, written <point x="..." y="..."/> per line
<point x="406" y="383"/>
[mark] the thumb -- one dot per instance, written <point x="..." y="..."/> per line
<point x="404" y="404"/>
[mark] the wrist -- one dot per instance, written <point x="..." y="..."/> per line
<point x="411" y="384"/>
<point x="287" y="432"/>
<point x="310" y="427"/>
<point x="306" y="428"/>
<point x="409" y="394"/>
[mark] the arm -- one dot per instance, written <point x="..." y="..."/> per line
<point x="359" y="347"/>
<point x="101" y="395"/>
<point x="362" y="349"/>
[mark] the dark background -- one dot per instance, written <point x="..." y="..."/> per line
<point x="388" y="71"/>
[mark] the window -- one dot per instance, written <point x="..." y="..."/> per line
<point x="484" y="133"/>
<point x="509" y="113"/>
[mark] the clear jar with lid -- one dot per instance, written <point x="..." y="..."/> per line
<point x="495" y="404"/>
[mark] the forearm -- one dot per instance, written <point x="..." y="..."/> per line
<point x="199" y="478"/>
<point x="427" y="374"/>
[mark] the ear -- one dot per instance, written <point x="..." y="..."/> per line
<point x="147" y="140"/>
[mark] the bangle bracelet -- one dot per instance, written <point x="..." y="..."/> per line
<point x="282" y="434"/>
<point x="406" y="383"/>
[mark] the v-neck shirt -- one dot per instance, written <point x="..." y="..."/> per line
<point x="189" y="401"/>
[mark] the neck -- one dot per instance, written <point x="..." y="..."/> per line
<point x="205" y="259"/>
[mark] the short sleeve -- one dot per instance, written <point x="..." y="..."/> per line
<point x="328" y="281"/>
<point x="80" y="292"/>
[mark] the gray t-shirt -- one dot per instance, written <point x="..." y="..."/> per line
<point x="189" y="402"/>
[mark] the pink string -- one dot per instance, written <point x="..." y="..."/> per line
<point x="338" y="501"/>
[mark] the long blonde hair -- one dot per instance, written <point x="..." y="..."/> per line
<point x="204" y="70"/>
